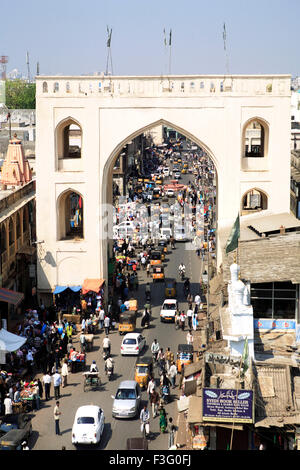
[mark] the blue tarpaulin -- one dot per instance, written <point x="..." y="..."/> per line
<point x="60" y="289"/>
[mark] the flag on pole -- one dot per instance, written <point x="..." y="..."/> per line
<point x="108" y="36"/>
<point x="224" y="36"/>
<point x="165" y="39"/>
<point x="232" y="242"/>
<point x="170" y="38"/>
<point x="245" y="356"/>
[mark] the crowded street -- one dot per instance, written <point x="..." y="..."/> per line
<point x="133" y="280"/>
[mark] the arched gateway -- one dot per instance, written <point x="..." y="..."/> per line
<point x="242" y="122"/>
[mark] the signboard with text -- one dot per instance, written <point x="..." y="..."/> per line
<point x="272" y="324"/>
<point x="228" y="405"/>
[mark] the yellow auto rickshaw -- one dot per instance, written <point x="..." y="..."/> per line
<point x="184" y="355"/>
<point x="163" y="246"/>
<point x="170" y="288"/>
<point x="143" y="371"/>
<point x="155" y="258"/>
<point x="127" y="322"/>
<point x="158" y="273"/>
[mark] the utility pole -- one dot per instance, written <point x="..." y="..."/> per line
<point x="225" y="50"/>
<point x="28" y="67"/>
<point x="170" y="51"/>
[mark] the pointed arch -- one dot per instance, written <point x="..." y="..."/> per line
<point x="254" y="199"/>
<point x="68" y="139"/>
<point x="255" y="138"/>
<point x="70" y="215"/>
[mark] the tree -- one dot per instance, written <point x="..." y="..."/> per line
<point x="20" y="94"/>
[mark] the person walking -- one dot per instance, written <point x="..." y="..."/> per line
<point x="144" y="419"/>
<point x="182" y="320"/>
<point x="64" y="373"/>
<point x="56" y="384"/>
<point x="47" y="384"/>
<point x="148" y="269"/>
<point x="189" y="315"/>
<point x="189" y="337"/>
<point x="106" y="324"/>
<point x="172" y="374"/>
<point x="8" y="405"/>
<point x="101" y="317"/>
<point x="151" y="386"/>
<point x="171" y="430"/>
<point x="154" y="400"/>
<point x="57" y="414"/>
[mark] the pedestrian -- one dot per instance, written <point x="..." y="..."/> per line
<point x="106" y="324"/>
<point x="182" y="320"/>
<point x="57" y="414"/>
<point x="162" y="421"/>
<point x="154" y="400"/>
<point x="40" y="385"/>
<point x="8" y="405"/>
<point x="83" y="325"/>
<point x="57" y="384"/>
<point x="148" y="269"/>
<point x="171" y="430"/>
<point x="189" y="315"/>
<point x="189" y="337"/>
<point x="101" y="317"/>
<point x="82" y="342"/>
<point x="47" y="383"/>
<point x="144" y="420"/>
<point x="64" y="373"/>
<point x="172" y="374"/>
<point x="151" y="386"/>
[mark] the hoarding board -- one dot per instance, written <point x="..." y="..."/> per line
<point x="228" y="405"/>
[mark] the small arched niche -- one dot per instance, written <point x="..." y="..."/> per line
<point x="68" y="144"/>
<point x="255" y="139"/>
<point x="70" y="216"/>
<point x="254" y="200"/>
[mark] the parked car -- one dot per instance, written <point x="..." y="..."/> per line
<point x="177" y="175"/>
<point x="168" y="310"/>
<point x="132" y="344"/>
<point x="127" y="400"/>
<point x="170" y="192"/>
<point x="88" y="425"/>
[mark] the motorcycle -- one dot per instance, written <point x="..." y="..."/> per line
<point x="106" y="353"/>
<point x="110" y="372"/>
<point x="182" y="274"/>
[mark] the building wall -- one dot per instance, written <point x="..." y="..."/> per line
<point x="124" y="108"/>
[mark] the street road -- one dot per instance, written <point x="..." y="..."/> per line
<point x="117" y="431"/>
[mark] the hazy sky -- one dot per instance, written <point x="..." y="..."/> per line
<point x="68" y="37"/>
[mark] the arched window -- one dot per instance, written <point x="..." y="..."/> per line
<point x="69" y="139"/>
<point x="255" y="139"/>
<point x="11" y="235"/>
<point x="70" y="216"/>
<point x="18" y="226"/>
<point x="55" y="87"/>
<point x="254" y="200"/>
<point x="68" y="88"/>
<point x="25" y="219"/>
<point x="3" y="243"/>
<point x="45" y="87"/>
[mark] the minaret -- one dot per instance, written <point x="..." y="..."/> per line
<point x="15" y="170"/>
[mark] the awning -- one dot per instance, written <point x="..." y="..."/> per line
<point x="93" y="285"/>
<point x="60" y="289"/>
<point x="11" y="296"/>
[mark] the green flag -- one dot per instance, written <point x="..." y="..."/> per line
<point x="232" y="242"/>
<point x="245" y="356"/>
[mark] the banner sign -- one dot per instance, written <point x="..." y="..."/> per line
<point x="272" y="324"/>
<point x="228" y="405"/>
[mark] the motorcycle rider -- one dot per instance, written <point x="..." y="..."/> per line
<point x="181" y="269"/>
<point x="187" y="286"/>
<point x="106" y="345"/>
<point x="93" y="367"/>
<point x="109" y="365"/>
<point x="155" y="348"/>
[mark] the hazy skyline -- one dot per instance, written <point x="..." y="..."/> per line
<point x="68" y="37"/>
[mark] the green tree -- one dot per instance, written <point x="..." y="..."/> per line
<point x="20" y="94"/>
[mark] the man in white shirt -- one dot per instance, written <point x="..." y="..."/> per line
<point x="197" y="300"/>
<point x="56" y="384"/>
<point x="8" y="405"/>
<point x="47" y="384"/>
<point x="189" y="315"/>
<point x="101" y="317"/>
<point x="172" y="374"/>
<point x="106" y="324"/>
<point x="64" y="373"/>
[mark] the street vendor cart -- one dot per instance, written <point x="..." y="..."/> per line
<point x="89" y="341"/>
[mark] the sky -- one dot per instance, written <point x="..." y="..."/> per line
<point x="68" y="37"/>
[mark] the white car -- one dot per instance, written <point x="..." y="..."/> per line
<point x="88" y="425"/>
<point x="170" y="192"/>
<point x="132" y="344"/>
<point x="168" y="310"/>
<point x="166" y="171"/>
<point x="177" y="175"/>
<point x="180" y="234"/>
<point x="165" y="234"/>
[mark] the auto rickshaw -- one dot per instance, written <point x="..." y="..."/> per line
<point x="127" y="322"/>
<point x="163" y="245"/>
<point x="155" y="258"/>
<point x="158" y="273"/>
<point x="170" y="289"/>
<point x="133" y="306"/>
<point x="156" y="193"/>
<point x="184" y="355"/>
<point x="143" y="371"/>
